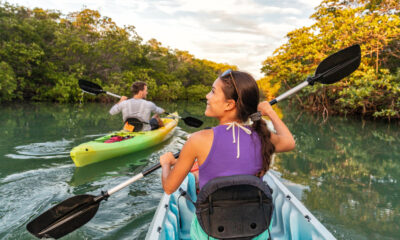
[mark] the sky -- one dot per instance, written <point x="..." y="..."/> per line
<point x="238" y="32"/>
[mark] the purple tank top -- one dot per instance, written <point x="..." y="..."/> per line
<point x="222" y="159"/>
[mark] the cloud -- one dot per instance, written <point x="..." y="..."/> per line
<point x="238" y="7"/>
<point x="310" y="3"/>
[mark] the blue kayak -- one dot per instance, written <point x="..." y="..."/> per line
<point x="290" y="220"/>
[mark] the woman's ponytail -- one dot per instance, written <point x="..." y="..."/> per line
<point x="267" y="148"/>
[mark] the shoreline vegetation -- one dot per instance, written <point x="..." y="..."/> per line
<point x="44" y="53"/>
<point x="373" y="90"/>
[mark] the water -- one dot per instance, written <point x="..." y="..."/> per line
<point x="346" y="171"/>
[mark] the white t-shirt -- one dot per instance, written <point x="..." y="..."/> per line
<point x="136" y="108"/>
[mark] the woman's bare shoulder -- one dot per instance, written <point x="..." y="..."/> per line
<point x="200" y="143"/>
<point x="201" y="136"/>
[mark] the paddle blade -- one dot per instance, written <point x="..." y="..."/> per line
<point x="90" y="87"/>
<point x="65" y="217"/>
<point x="338" y="65"/>
<point x="193" y="122"/>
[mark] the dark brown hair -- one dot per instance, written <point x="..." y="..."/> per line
<point x="137" y="87"/>
<point x="247" y="99"/>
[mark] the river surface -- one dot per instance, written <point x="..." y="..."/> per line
<point x="346" y="171"/>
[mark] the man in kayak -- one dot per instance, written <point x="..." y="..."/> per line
<point x="136" y="111"/>
<point x="234" y="147"/>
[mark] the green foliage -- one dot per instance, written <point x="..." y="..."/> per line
<point x="65" y="90"/>
<point x="198" y="91"/>
<point x="8" y="83"/>
<point x="47" y="53"/>
<point x="373" y="90"/>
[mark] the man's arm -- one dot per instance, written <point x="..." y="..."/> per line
<point x="117" y="107"/>
<point x="158" y="111"/>
<point x="123" y="98"/>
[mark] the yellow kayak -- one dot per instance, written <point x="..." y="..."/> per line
<point x="103" y="148"/>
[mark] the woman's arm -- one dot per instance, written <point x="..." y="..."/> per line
<point x="283" y="139"/>
<point x="172" y="177"/>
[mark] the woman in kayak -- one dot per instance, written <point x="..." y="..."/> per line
<point x="234" y="146"/>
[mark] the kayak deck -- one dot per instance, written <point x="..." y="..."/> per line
<point x="99" y="150"/>
<point x="290" y="220"/>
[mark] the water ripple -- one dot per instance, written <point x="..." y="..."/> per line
<point x="45" y="150"/>
<point x="33" y="173"/>
<point x="27" y="194"/>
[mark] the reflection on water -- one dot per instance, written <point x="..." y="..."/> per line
<point x="346" y="171"/>
<point x="352" y="169"/>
